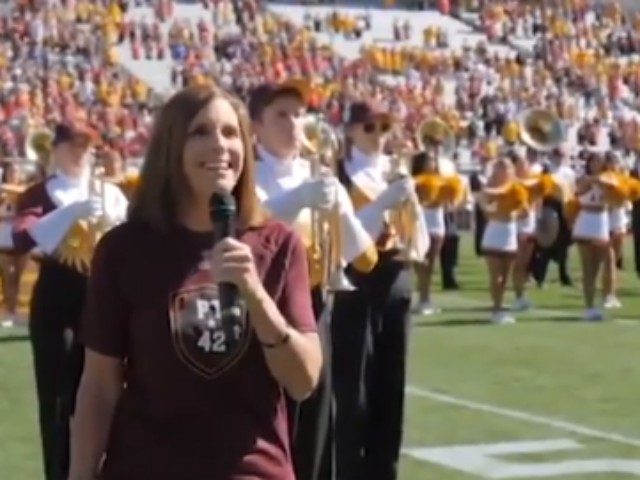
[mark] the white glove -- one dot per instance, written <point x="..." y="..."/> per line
<point x="399" y="191"/>
<point x="90" y="208"/>
<point x="321" y="193"/>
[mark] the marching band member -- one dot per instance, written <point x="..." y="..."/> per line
<point x="451" y="245"/>
<point x="370" y="324"/>
<point x="52" y="217"/>
<point x="204" y="394"/>
<point x="435" y="192"/>
<point x="618" y="223"/>
<point x="502" y="199"/>
<point x="12" y="265"/>
<point x="591" y="230"/>
<point x="477" y="182"/>
<point x="288" y="190"/>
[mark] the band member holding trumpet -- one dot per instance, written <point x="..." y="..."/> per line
<point x="503" y="200"/>
<point x="370" y="324"/>
<point x="307" y="195"/>
<point x="60" y="217"/>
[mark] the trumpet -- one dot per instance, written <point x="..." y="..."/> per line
<point x="406" y="217"/>
<point x="321" y="144"/>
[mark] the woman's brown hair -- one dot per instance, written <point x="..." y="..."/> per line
<point x="162" y="179"/>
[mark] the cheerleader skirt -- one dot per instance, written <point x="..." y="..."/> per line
<point x="618" y="221"/>
<point x="591" y="226"/>
<point x="527" y="225"/>
<point x="500" y="237"/>
<point x="434" y="218"/>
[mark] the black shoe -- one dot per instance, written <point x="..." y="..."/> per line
<point x="450" y="285"/>
<point x="566" y="281"/>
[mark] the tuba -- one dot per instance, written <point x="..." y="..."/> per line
<point x="321" y="144"/>
<point x="436" y="132"/>
<point x="540" y="129"/>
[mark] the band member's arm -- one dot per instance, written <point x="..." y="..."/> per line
<point x="287" y="331"/>
<point x="372" y="216"/>
<point x="287" y="205"/>
<point x="32" y="228"/>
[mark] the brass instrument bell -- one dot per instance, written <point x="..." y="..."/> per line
<point x="436" y="132"/>
<point x="321" y="143"/>
<point x="541" y="129"/>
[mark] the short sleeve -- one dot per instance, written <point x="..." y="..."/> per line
<point x="295" y="304"/>
<point x="104" y="324"/>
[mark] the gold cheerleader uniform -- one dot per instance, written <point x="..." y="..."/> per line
<point x="537" y="187"/>
<point x="434" y="193"/>
<point x="502" y="207"/>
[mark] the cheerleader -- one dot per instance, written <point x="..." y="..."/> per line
<point x="435" y="192"/>
<point x="503" y="199"/>
<point x="618" y="223"/>
<point x="591" y="229"/>
<point x="537" y="186"/>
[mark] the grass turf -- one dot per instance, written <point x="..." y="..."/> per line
<point x="547" y="364"/>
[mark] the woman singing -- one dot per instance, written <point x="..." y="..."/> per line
<point x="203" y="398"/>
<point x="55" y="217"/>
<point x="502" y="199"/>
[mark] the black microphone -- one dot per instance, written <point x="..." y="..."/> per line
<point x="222" y="212"/>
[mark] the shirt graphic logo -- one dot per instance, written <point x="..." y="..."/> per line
<point x="206" y="342"/>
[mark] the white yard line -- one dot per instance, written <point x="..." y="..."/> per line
<point x="523" y="416"/>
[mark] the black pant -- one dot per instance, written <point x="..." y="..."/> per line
<point x="56" y="306"/>
<point x="312" y="420"/>
<point x="370" y="334"/>
<point x="480" y="222"/>
<point x="449" y="253"/>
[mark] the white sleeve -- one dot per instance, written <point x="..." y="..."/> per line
<point x="49" y="231"/>
<point x="286" y="205"/>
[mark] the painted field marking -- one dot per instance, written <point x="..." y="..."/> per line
<point x="523" y="416"/>
<point x="483" y="460"/>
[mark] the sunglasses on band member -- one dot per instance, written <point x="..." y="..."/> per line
<point x="371" y="127"/>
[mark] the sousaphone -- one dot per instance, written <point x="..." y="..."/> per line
<point x="541" y="129"/>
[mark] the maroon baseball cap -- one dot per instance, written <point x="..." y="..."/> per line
<point x="263" y="95"/>
<point x="367" y="111"/>
<point x="68" y="132"/>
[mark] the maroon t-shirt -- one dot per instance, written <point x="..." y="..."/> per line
<point x="200" y="402"/>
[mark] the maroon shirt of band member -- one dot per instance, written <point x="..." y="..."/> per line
<point x="199" y="402"/>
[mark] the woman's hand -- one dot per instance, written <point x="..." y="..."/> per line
<point x="232" y="261"/>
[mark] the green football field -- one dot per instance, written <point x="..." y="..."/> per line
<point x="549" y="397"/>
